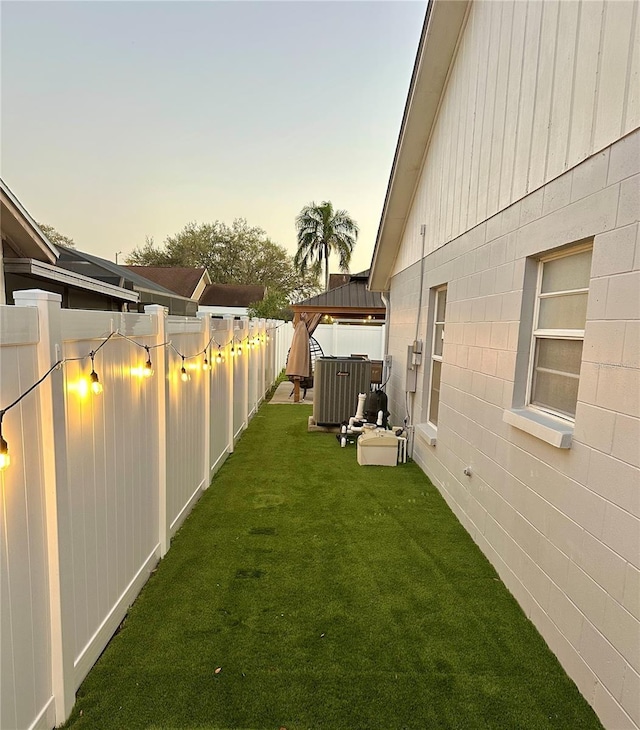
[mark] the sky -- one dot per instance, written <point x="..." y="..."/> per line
<point x="126" y="120"/>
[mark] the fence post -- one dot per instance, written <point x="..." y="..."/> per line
<point x="231" y="365"/>
<point x="159" y="313"/>
<point x="57" y="505"/>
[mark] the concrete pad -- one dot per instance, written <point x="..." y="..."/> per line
<point x="284" y="394"/>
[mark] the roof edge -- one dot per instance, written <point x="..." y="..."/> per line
<point x="444" y="21"/>
<point x="36" y="233"/>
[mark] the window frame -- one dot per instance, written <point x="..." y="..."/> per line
<point x="538" y="334"/>
<point x="433" y="357"/>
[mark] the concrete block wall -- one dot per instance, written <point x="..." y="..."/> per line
<point x="561" y="526"/>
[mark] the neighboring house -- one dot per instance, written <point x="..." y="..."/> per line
<point x="147" y="291"/>
<point x="188" y="282"/>
<point x="230" y="299"/>
<point x="509" y="247"/>
<point x="338" y="280"/>
<point x="28" y="260"/>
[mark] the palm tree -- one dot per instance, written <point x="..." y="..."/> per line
<point x="321" y="232"/>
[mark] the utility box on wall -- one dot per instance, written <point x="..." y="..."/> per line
<point x="337" y="381"/>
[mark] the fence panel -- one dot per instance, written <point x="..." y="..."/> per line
<point x="240" y="379"/>
<point x="112" y="456"/>
<point x="25" y="664"/>
<point x="186" y="412"/>
<point x="99" y="480"/>
<point x="253" y="353"/>
<point x="342" y="340"/>
<point x="221" y="397"/>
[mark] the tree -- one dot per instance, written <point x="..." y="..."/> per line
<point x="55" y="237"/>
<point x="236" y="254"/>
<point x="321" y="232"/>
<point x="275" y="305"/>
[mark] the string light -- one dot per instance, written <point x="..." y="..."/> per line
<point x="96" y="385"/>
<point x="184" y="375"/>
<point x="147" y="371"/>
<point x="5" y="458"/>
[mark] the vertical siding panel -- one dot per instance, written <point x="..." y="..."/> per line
<point x="454" y="121"/>
<point x="584" y="88"/>
<point x="543" y="95"/>
<point x="89" y="486"/>
<point x="562" y="88"/>
<point x="516" y="63"/>
<point x="498" y="126"/>
<point x="466" y="114"/>
<point x="472" y="72"/>
<point x="443" y="151"/>
<point x="482" y="34"/>
<point x="612" y="80"/>
<point x="101" y="507"/>
<point x="15" y="563"/>
<point x="38" y="556"/>
<point x="632" y="112"/>
<point x="491" y="67"/>
<point x="527" y="100"/>
<point x="7" y="670"/>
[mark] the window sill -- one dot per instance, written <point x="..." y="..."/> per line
<point x="427" y="433"/>
<point x="546" y="428"/>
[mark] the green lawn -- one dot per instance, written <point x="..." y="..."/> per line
<point x="305" y="591"/>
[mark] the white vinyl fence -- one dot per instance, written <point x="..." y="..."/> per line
<point x="342" y="340"/>
<point x="98" y="484"/>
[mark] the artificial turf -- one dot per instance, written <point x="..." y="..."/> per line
<point x="305" y="591"/>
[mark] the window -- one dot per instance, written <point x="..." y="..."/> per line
<point x="437" y="314"/>
<point x="558" y="332"/>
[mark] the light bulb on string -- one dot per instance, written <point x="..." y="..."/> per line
<point x="5" y="458"/>
<point x="233" y="352"/>
<point x="96" y="385"/>
<point x="219" y="355"/>
<point x="205" y="363"/>
<point x="184" y="375"/>
<point x="239" y="349"/>
<point x="147" y="371"/>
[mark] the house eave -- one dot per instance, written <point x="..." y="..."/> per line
<point x="443" y="23"/>
<point x="67" y="278"/>
<point x="22" y="228"/>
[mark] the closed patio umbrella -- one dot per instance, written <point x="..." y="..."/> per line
<point x="299" y="362"/>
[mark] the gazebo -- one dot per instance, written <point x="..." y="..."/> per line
<point x="350" y="302"/>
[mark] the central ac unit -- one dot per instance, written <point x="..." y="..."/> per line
<point x="337" y="381"/>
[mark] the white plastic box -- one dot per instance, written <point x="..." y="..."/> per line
<point x="378" y="448"/>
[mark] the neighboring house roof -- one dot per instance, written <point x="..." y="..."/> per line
<point x="184" y="280"/>
<point x="352" y="298"/>
<point x="104" y="270"/>
<point x="49" y="272"/>
<point x="21" y="231"/>
<point x="442" y="26"/>
<point x="232" y="295"/>
<point x="29" y="259"/>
